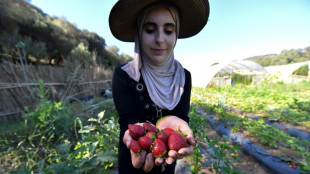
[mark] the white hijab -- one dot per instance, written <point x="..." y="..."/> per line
<point x="165" y="83"/>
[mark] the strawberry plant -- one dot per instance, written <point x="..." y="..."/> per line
<point x="197" y="124"/>
<point x="52" y="140"/>
<point x="279" y="102"/>
<point x="223" y="149"/>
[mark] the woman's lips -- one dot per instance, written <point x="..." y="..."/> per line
<point x="158" y="51"/>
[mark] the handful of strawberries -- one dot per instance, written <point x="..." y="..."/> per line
<point x="159" y="142"/>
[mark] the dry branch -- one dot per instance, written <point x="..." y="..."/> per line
<point x="14" y="95"/>
<point x="18" y="85"/>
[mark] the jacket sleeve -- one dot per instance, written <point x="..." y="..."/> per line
<point x="123" y="97"/>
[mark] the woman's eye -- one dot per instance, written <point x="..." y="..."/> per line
<point x="149" y="31"/>
<point x="168" y="32"/>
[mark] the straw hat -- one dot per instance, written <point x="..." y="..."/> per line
<point x="194" y="16"/>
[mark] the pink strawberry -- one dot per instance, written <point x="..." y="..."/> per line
<point x="159" y="148"/>
<point x="151" y="135"/>
<point x="136" y="131"/>
<point x="135" y="146"/>
<point x="146" y="142"/>
<point x="176" y="141"/>
<point x="163" y="136"/>
<point x="149" y="127"/>
<point x="169" y="131"/>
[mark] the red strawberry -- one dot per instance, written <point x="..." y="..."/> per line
<point x="136" y="131"/>
<point x="159" y="148"/>
<point x="169" y="131"/>
<point x="151" y="135"/>
<point x="146" y="142"/>
<point x="149" y="127"/>
<point x="163" y="136"/>
<point x="176" y="141"/>
<point x="135" y="146"/>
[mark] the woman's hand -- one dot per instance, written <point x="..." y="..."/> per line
<point x="144" y="160"/>
<point x="177" y="123"/>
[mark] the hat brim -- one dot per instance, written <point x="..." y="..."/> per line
<point x="194" y="16"/>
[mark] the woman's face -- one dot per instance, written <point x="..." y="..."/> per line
<point x="158" y="35"/>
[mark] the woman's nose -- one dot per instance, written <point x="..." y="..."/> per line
<point x="160" y="37"/>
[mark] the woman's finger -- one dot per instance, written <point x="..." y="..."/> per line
<point x="149" y="162"/>
<point x="127" y="139"/>
<point x="159" y="161"/>
<point x="191" y="141"/>
<point x="137" y="160"/>
<point x="170" y="160"/>
<point x="185" y="151"/>
<point x="172" y="153"/>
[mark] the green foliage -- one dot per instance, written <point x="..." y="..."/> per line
<point x="243" y="79"/>
<point x="41" y="93"/>
<point x="94" y="153"/>
<point x="51" y="37"/>
<point x="305" y="167"/>
<point x="80" y="54"/>
<point x="53" y="140"/>
<point x="113" y="58"/>
<point x="271" y="80"/>
<point x="285" y="57"/>
<point x="280" y="102"/>
<point x="51" y="120"/>
<point x="197" y="124"/>
<point x="109" y="60"/>
<point x="11" y="41"/>
<point x="302" y="71"/>
<point x="286" y="102"/>
<point x="223" y="149"/>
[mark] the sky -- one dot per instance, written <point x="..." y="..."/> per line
<point x="236" y="29"/>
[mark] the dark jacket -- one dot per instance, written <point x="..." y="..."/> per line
<point x="134" y="104"/>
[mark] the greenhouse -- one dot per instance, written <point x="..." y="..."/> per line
<point x="221" y="74"/>
<point x="248" y="72"/>
<point x="285" y="73"/>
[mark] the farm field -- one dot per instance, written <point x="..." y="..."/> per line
<point x="257" y="112"/>
<point x="82" y="137"/>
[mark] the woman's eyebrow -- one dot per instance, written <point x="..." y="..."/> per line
<point x="154" y="24"/>
<point x="150" y="23"/>
<point x="169" y="25"/>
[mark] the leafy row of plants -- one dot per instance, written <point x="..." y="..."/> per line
<point x="54" y="140"/>
<point x="216" y="100"/>
<point x="55" y="137"/>
<point x="283" y="102"/>
<point x="224" y="151"/>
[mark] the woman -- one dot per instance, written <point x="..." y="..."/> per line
<point x="154" y="84"/>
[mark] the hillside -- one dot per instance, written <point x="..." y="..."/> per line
<point x="260" y="58"/>
<point x="47" y="38"/>
<point x="285" y="57"/>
